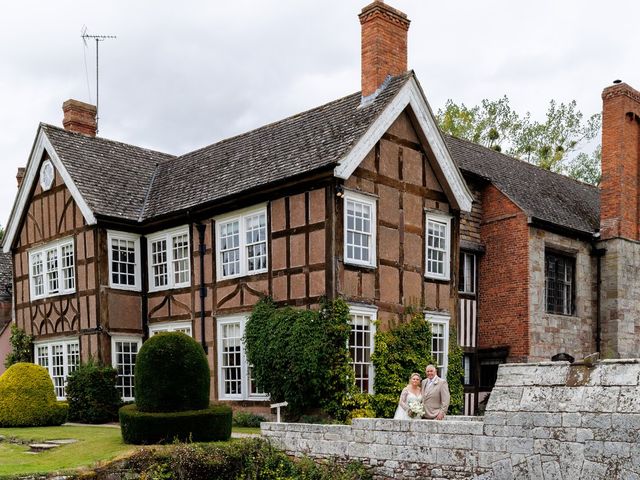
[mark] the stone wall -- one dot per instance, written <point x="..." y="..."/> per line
<point x="544" y="421"/>
<point x="549" y="333"/>
<point x="620" y="298"/>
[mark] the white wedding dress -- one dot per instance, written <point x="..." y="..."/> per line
<point x="406" y="397"/>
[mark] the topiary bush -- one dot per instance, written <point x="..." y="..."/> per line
<point x="172" y="374"/>
<point x="172" y="395"/>
<point x="205" y="425"/>
<point x="27" y="398"/>
<point x="92" y="394"/>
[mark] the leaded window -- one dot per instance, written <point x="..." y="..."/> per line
<point x="559" y="274"/>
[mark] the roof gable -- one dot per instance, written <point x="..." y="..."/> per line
<point x="41" y="146"/>
<point x="411" y="96"/>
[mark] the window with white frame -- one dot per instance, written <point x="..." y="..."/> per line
<point x="124" y="260"/>
<point x="124" y="351"/>
<point x="241" y="242"/>
<point x="361" y="345"/>
<point x="438" y="245"/>
<point x="467" y="273"/>
<point x="235" y="378"/>
<point x="359" y="229"/>
<point x="439" y="341"/>
<point x="184" y="327"/>
<point x="169" y="262"/>
<point x="60" y="358"/>
<point x="52" y="269"/>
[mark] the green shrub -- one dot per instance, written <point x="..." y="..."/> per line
<point x="247" y="458"/>
<point x="455" y="375"/>
<point x="27" y="398"/>
<point x="92" y="394"/>
<point x="172" y="374"/>
<point x="301" y="356"/>
<point x="21" y="347"/>
<point x="203" y="425"/>
<point x="248" y="419"/>
<point x="385" y="404"/>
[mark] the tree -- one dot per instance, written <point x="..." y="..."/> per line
<point x="552" y="144"/>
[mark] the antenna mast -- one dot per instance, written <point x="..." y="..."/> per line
<point x="98" y="38"/>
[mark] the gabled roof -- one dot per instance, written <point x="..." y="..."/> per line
<point x="113" y="178"/>
<point x="305" y="142"/>
<point x="543" y="195"/>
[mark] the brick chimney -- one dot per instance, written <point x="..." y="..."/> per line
<point x="79" y="117"/>
<point x="384" y="44"/>
<point x="20" y="175"/>
<point x="620" y="184"/>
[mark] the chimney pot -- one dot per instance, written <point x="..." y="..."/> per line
<point x="79" y="117"/>
<point x="384" y="44"/>
<point x="20" y="175"/>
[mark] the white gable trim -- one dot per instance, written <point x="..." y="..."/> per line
<point x="41" y="145"/>
<point x="411" y="95"/>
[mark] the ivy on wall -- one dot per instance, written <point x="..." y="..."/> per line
<point x="301" y="356"/>
<point x="455" y="374"/>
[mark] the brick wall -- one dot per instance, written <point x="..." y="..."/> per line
<point x="503" y="311"/>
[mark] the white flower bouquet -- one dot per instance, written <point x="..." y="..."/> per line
<point x="416" y="409"/>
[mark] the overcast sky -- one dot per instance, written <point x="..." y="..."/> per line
<point x="183" y="75"/>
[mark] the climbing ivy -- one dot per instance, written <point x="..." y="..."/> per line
<point x="301" y="356"/>
<point x="455" y="374"/>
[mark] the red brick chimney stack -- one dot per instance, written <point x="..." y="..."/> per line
<point x="620" y="184"/>
<point x="384" y="44"/>
<point x="79" y="117"/>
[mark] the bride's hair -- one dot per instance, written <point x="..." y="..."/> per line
<point x="413" y="375"/>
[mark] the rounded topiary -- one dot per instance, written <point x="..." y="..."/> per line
<point x="27" y="398"/>
<point x="172" y="374"/>
<point x="205" y="425"/>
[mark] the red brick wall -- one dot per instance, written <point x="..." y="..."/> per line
<point x="384" y="44"/>
<point x="503" y="312"/>
<point x="619" y="195"/>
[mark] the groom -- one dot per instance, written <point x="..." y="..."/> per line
<point x="435" y="395"/>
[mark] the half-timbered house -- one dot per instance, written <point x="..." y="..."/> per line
<point x="362" y="198"/>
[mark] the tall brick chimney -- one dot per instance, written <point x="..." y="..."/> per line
<point x="620" y="184"/>
<point x="384" y="44"/>
<point x="79" y="117"/>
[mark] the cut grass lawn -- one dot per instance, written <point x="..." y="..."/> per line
<point x="94" y="445"/>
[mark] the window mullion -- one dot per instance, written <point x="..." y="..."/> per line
<point x="242" y="244"/>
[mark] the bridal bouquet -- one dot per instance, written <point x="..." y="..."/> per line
<point x="415" y="408"/>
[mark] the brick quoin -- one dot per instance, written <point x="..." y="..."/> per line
<point x="619" y="188"/>
<point x="384" y="44"/>
<point x="503" y="310"/>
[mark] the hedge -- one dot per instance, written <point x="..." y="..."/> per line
<point x="92" y="394"/>
<point x="172" y="374"/>
<point x="209" y="424"/>
<point x="27" y="398"/>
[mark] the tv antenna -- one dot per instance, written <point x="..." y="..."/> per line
<point x="98" y="39"/>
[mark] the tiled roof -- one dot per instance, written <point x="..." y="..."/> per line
<point x="113" y="178"/>
<point x="300" y="144"/>
<point x="541" y="194"/>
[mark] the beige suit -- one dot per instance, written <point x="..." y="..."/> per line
<point x="435" y="397"/>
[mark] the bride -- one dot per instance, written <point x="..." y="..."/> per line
<point x="410" y="405"/>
